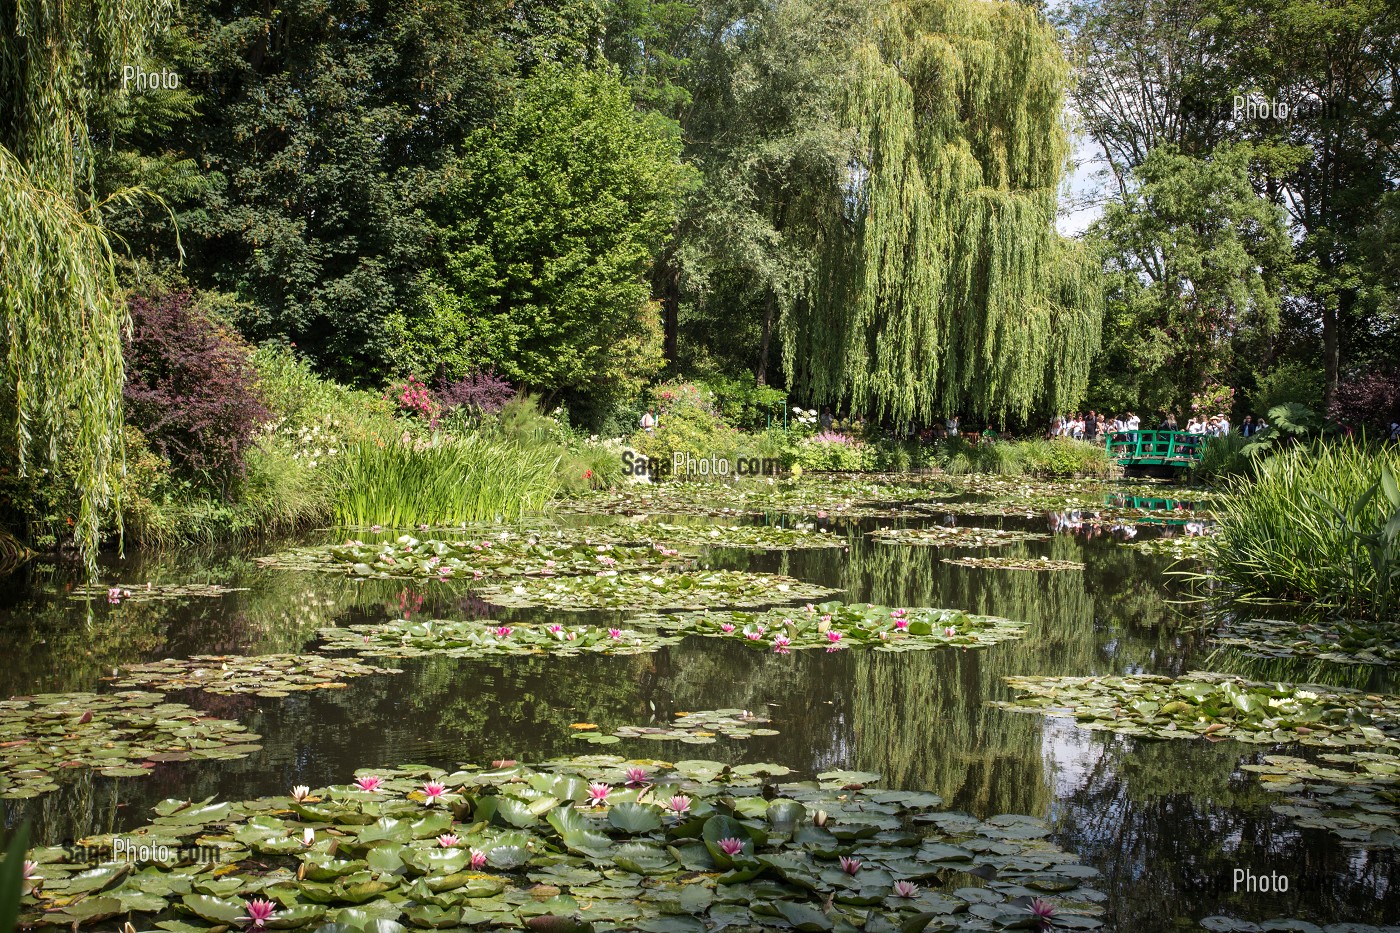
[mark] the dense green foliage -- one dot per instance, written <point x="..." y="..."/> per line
<point x="941" y="285"/>
<point x="1317" y="523"/>
<point x="556" y="214"/>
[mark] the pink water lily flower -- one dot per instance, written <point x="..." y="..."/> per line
<point x="826" y="618"/>
<point x="376" y="528"/>
<point x="477" y="860"/>
<point x="598" y="793"/>
<point x="850" y="865"/>
<point x="781" y="641"/>
<point x="1043" y="911"/>
<point x="636" y="776"/>
<point x="300" y="793"/>
<point x="810" y="608"/>
<point x="753" y="636"/>
<point x="433" y="790"/>
<point x="901" y="624"/>
<point x="614" y="633"/>
<point x="731" y="846"/>
<point x="369" y="783"/>
<point x="897" y="613"/>
<point x="503" y="632"/>
<point x="259" y="912"/>
<point x="949" y="632"/>
<point x="726" y="628"/>
<point x="833" y="636"/>
<point x="678" y="804"/>
<point x="308" y="836"/>
<point x="550" y="564"/>
<point x="555" y="629"/>
<point x="447" y="840"/>
<point x="607" y="561"/>
<point x="905" y="889"/>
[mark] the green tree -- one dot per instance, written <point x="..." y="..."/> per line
<point x="554" y="216"/>
<point x="764" y="133"/>
<point x="1195" y="263"/>
<point x="941" y="285"/>
<point x="60" y="351"/>
<point x="326" y="132"/>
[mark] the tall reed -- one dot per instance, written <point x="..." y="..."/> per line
<point x="443" y="481"/>
<point x="1312" y="527"/>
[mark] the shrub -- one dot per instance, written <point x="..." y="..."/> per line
<point x="191" y="387"/>
<point x="688" y="424"/>
<point x="744" y="404"/>
<point x="1313" y="525"/>
<point x="1225" y="456"/>
<point x="1369" y="399"/>
<point x="480" y="393"/>
<point x="1301" y="383"/>
<point x="834" y="452"/>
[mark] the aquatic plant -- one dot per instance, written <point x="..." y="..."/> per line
<point x="270" y="675"/>
<point x="401" y="484"/>
<point x="952" y="536"/>
<point x="693" y="728"/>
<point x="121" y="734"/>
<point x="1014" y="563"/>
<point x="1320" y="524"/>
<point x="1215" y="706"/>
<point x="692" y="589"/>
<point x="838" y="624"/>
<point x="537" y="845"/>
<point x="400" y="638"/>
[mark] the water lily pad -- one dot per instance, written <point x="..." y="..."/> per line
<point x="837" y="625"/>
<point x="1216" y="706"/>
<point x="1014" y="563"/>
<point x="694" y="728"/>
<point x="228" y="674"/>
<point x="400" y="638"/>
<point x="147" y="592"/>
<point x="696" y="589"/>
<point x="953" y="536"/>
<point x="49" y="735"/>
<point x="736" y="857"/>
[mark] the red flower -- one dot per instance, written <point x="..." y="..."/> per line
<point x="587" y="474"/>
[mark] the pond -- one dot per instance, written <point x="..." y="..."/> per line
<point x="1167" y="824"/>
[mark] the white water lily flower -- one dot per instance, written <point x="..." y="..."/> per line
<point x="1306" y="695"/>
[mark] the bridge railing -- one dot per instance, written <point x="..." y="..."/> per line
<point x="1182" y="447"/>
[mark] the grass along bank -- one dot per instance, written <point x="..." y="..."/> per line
<point x="1319" y="524"/>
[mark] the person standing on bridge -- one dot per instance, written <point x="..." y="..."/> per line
<point x="1169" y="424"/>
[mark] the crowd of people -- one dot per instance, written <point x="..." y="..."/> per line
<point x="1093" y="426"/>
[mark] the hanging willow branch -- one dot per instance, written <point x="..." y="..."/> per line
<point x="60" y="348"/>
<point x="942" y="285"/>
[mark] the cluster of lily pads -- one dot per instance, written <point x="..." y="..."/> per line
<point x="146" y="592"/>
<point x="692" y="589"/>
<point x="495" y="557"/>
<point x="821" y="498"/>
<point x="1180" y="547"/>
<point x="120" y="734"/>
<point x="1360" y="802"/>
<point x="836" y="625"/>
<point x="401" y="638"/>
<point x="1223" y="924"/>
<point x="593" y="843"/>
<point x="1216" y="706"/>
<point x="270" y="675"/>
<point x="697" y="728"/>
<point x="949" y="536"/>
<point x="1014" y="563"/>
<point x="764" y="537"/>
<point x="1354" y="642"/>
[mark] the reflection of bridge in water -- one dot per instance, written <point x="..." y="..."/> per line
<point x="1160" y="453"/>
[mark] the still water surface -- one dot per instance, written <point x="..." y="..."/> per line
<point x="1166" y="822"/>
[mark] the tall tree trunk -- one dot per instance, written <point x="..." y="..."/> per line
<point x="667" y="288"/>
<point x="760" y="371"/>
<point x="1332" y="316"/>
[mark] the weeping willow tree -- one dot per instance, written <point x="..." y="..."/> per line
<point x="60" y="348"/>
<point x="941" y="284"/>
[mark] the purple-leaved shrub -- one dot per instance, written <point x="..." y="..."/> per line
<point x="190" y="387"/>
<point x="482" y="392"/>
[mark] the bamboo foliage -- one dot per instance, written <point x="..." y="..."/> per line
<point x="942" y="285"/>
<point x="60" y="348"/>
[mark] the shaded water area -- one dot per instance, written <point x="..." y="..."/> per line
<point x="1166" y="822"/>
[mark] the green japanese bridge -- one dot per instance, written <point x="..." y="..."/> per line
<point x="1142" y="452"/>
